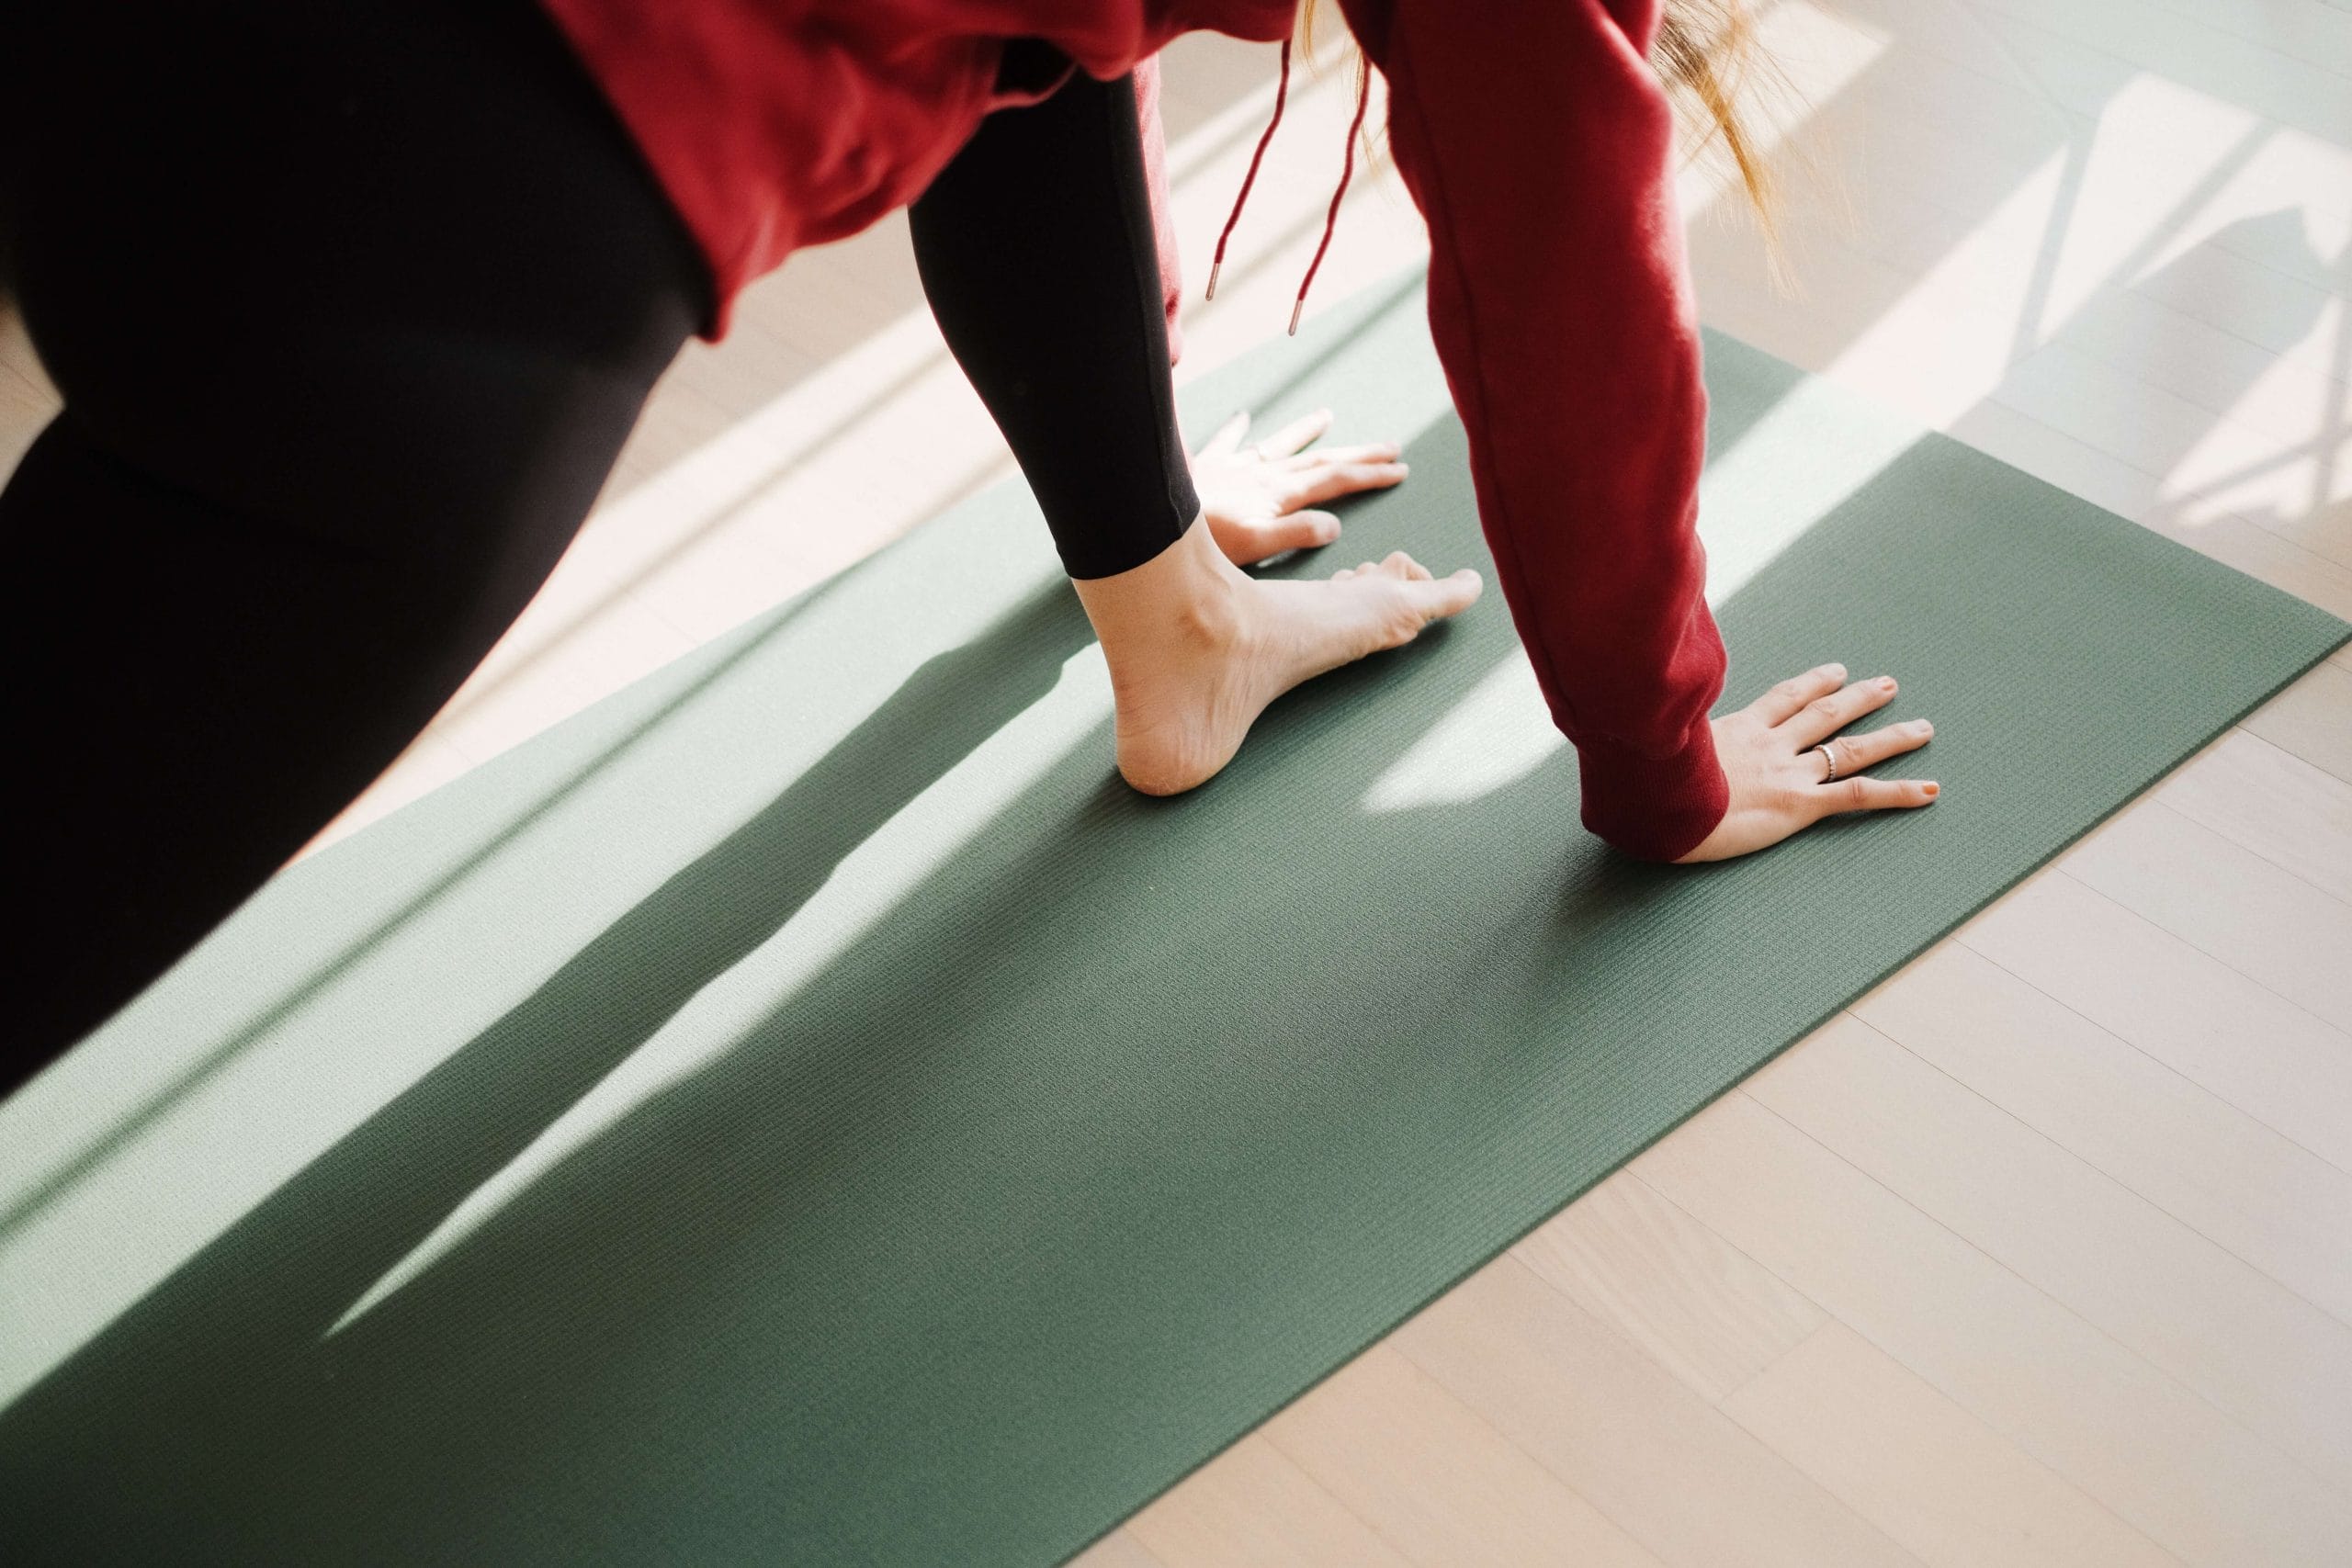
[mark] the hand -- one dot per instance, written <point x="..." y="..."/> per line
<point x="1256" y="498"/>
<point x="1780" y="786"/>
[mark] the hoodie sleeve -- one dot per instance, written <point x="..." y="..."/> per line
<point x="1539" y="146"/>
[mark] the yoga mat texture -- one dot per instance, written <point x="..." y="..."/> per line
<point x="805" y="1110"/>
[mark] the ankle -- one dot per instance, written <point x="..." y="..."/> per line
<point x="1207" y="617"/>
<point x="1187" y="598"/>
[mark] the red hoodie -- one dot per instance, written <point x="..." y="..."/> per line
<point x="1539" y="147"/>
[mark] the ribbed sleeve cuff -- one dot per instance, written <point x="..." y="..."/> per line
<point x="1654" y="807"/>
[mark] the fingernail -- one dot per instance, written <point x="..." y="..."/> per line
<point x="1886" y="682"/>
<point x="1327" y="532"/>
<point x="1930" y="791"/>
<point x="1924" y="727"/>
<point x="1404" y="468"/>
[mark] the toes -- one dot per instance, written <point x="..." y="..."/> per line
<point x="1402" y="596"/>
<point x="1435" y="598"/>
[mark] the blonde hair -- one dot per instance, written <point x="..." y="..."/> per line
<point x="1706" y="53"/>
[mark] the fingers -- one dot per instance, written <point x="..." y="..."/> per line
<point x="1854" y="791"/>
<point x="1856" y="753"/>
<point x="1864" y="794"/>
<point x="1368" y="451"/>
<point x="1246" y="543"/>
<point x="1317" y="485"/>
<point x="1229" y="435"/>
<point x="1783" y="702"/>
<point x="1296" y="436"/>
<point x="1825" y="715"/>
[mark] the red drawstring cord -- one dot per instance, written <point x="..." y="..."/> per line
<point x="1347" y="172"/>
<point x="1330" y="218"/>
<point x="1281" y="93"/>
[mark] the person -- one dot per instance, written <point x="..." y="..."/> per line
<point x="350" y="324"/>
<point x="352" y="306"/>
<point x="1538" y="143"/>
<point x="1586" y="482"/>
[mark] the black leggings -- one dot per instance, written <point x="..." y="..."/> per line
<point x="1036" y="248"/>
<point x="352" y="305"/>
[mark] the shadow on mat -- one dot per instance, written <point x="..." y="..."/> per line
<point x="954" y="1102"/>
<point x="1105" y="1023"/>
<point x="125" y="1129"/>
<point x="299" y="1258"/>
<point x="1373" y="307"/>
<point x="781" y="1286"/>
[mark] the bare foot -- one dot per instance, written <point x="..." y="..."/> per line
<point x="1197" y="648"/>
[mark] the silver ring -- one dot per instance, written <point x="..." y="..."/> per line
<point x="1831" y="758"/>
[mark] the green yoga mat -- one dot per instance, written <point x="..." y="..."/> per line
<point x="805" y="1110"/>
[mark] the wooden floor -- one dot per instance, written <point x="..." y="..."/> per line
<point x="2042" y="1252"/>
